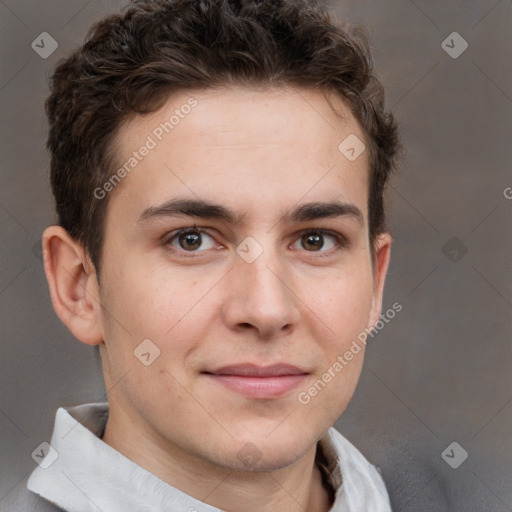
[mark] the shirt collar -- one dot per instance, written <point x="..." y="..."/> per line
<point x="84" y="460"/>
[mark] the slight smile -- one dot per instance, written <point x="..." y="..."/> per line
<point x="259" y="381"/>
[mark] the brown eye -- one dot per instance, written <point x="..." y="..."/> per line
<point x="190" y="241"/>
<point x="312" y="241"/>
<point x="320" y="241"/>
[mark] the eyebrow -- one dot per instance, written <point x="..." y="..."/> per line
<point x="313" y="211"/>
<point x="207" y="210"/>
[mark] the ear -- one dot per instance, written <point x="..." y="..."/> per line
<point x="382" y="253"/>
<point x="73" y="285"/>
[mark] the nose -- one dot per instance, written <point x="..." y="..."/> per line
<point x="260" y="297"/>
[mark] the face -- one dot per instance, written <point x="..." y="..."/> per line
<point x="238" y="245"/>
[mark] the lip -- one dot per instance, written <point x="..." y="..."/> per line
<point x="259" y="381"/>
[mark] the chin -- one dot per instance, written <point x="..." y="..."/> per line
<point x="272" y="452"/>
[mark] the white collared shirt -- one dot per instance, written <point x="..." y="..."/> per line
<point x="81" y="473"/>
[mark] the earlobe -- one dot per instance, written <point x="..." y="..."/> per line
<point x="73" y="285"/>
<point x="382" y="255"/>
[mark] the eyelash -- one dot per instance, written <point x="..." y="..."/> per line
<point x="340" y="241"/>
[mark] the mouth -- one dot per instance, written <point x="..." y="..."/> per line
<point x="255" y="381"/>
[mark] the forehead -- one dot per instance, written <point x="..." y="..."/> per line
<point x="268" y="145"/>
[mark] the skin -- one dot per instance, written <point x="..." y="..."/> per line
<point x="261" y="153"/>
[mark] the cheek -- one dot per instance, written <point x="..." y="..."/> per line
<point x="342" y="303"/>
<point x="164" y="307"/>
<point x="343" y="307"/>
<point x="147" y="313"/>
<point x="148" y="298"/>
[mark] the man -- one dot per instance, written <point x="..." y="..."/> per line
<point x="218" y="169"/>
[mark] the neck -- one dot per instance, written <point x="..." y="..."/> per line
<point x="294" y="488"/>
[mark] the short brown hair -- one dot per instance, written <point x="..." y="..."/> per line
<point x="131" y="62"/>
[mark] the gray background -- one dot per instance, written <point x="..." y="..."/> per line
<point x="437" y="373"/>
